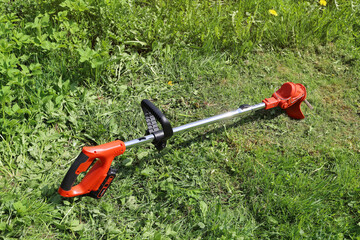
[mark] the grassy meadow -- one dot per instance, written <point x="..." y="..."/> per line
<point x="73" y="74"/>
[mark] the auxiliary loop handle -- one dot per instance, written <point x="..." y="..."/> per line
<point x="153" y="114"/>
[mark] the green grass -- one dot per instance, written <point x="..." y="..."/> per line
<point x="73" y="73"/>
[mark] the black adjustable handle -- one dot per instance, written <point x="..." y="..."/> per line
<point x="153" y="114"/>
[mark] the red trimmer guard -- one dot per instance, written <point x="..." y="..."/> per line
<point x="288" y="97"/>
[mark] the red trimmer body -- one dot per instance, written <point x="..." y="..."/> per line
<point x="98" y="179"/>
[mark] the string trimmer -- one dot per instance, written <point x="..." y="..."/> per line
<point x="98" y="179"/>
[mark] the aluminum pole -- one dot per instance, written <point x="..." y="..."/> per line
<point x="203" y="122"/>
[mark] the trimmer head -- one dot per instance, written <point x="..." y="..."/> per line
<point x="288" y="97"/>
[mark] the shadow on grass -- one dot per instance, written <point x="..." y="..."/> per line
<point x="255" y="116"/>
<point x="260" y="114"/>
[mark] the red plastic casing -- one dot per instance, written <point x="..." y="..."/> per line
<point x="288" y="97"/>
<point x="105" y="154"/>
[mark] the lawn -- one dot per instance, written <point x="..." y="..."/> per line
<point x="73" y="74"/>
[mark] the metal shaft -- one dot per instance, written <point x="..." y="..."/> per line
<point x="203" y="122"/>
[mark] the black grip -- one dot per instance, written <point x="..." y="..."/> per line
<point x="71" y="175"/>
<point x="153" y="114"/>
<point x="244" y="106"/>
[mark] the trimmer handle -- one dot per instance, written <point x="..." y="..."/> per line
<point x="99" y="177"/>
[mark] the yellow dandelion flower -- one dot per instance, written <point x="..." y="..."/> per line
<point x="322" y="2"/>
<point x="170" y="83"/>
<point x="273" y="12"/>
